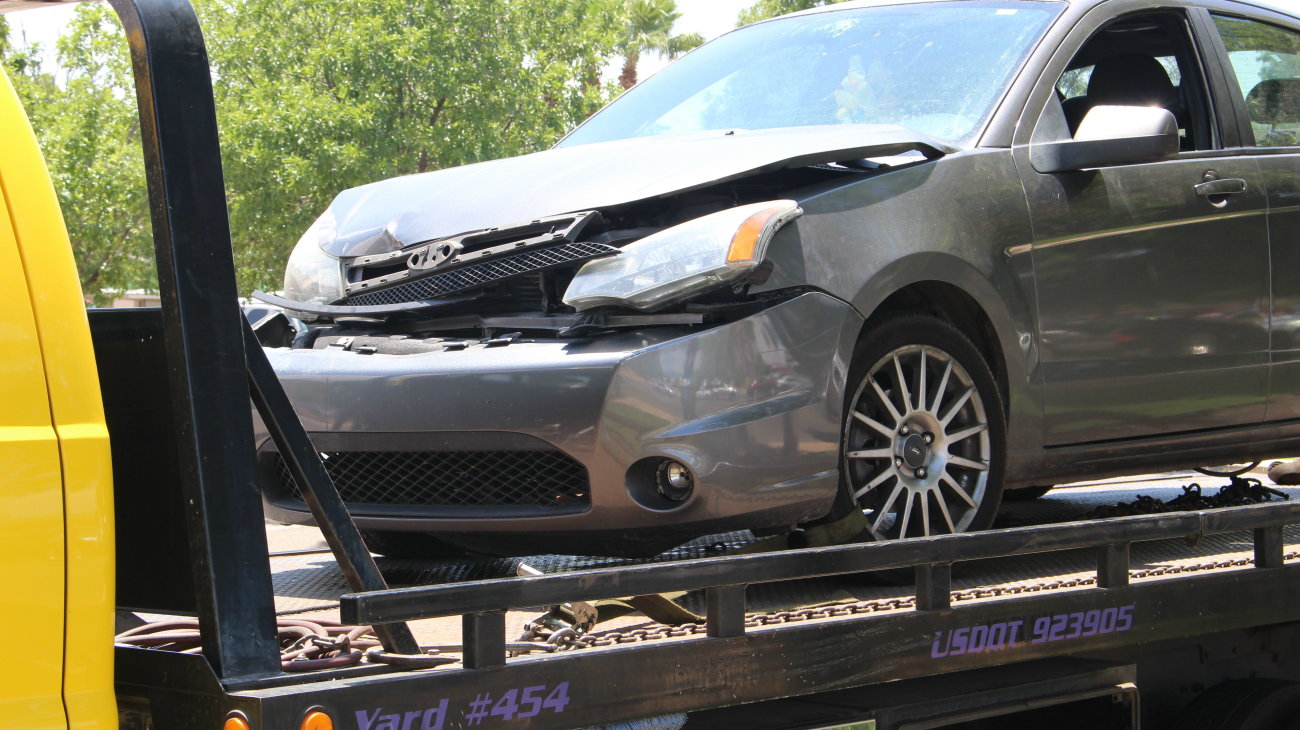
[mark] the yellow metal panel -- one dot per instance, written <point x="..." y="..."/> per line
<point x="78" y="416"/>
<point x="31" y="509"/>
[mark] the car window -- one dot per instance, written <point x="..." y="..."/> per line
<point x="883" y="65"/>
<point x="1137" y="60"/>
<point x="1266" y="62"/>
<point x="1074" y="82"/>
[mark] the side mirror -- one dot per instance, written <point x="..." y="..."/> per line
<point x="1111" y="135"/>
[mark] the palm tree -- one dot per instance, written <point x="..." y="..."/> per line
<point x="764" y="9"/>
<point x="650" y="24"/>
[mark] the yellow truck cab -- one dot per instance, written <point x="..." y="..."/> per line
<point x="56" y="509"/>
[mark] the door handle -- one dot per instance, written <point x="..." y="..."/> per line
<point x="1225" y="186"/>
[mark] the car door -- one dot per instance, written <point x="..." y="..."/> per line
<point x="1262" y="52"/>
<point x="1152" y="280"/>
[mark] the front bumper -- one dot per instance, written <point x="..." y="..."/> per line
<point x="752" y="407"/>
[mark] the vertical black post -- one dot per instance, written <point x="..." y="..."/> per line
<point x="933" y="587"/>
<point x="483" y="636"/>
<point x="1268" y="547"/>
<point x="1112" y="565"/>
<point x="725" y="611"/>
<point x="321" y="495"/>
<point x="203" y="336"/>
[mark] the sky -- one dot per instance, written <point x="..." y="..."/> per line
<point x="709" y="18"/>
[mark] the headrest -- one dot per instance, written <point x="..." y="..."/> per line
<point x="1130" y="79"/>
<point x="1275" y="101"/>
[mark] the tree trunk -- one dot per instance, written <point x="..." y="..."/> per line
<point x="628" y="77"/>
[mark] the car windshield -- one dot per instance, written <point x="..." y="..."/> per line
<point x="933" y="68"/>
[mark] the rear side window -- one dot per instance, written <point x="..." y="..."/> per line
<point x="1266" y="62"/>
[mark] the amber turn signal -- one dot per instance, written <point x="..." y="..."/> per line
<point x="745" y="243"/>
<point x="317" y="720"/>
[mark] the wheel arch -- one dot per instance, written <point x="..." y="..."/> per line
<point x="991" y="305"/>
<point x="957" y="307"/>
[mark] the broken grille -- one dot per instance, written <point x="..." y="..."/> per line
<point x="482" y="274"/>
<point x="451" y="478"/>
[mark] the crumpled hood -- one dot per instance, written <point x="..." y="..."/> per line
<point x="397" y="212"/>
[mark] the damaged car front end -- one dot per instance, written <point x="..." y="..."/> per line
<point x="651" y="351"/>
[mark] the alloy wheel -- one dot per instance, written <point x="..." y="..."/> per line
<point x="917" y="450"/>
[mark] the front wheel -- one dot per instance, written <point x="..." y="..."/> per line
<point x="924" y="433"/>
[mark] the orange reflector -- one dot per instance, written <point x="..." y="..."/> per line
<point x="744" y="244"/>
<point x="317" y="720"/>
<point x="236" y="722"/>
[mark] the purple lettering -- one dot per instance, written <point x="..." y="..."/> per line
<point x="1076" y="625"/>
<point x="934" y="648"/>
<point x="979" y="637"/>
<point x="1058" y="627"/>
<point x="1041" y="625"/>
<point x="960" y="641"/>
<point x="433" y="717"/>
<point x="1091" y="621"/>
<point x="997" y="637"/>
<point x="1125" y="615"/>
<point x="365" y="721"/>
<point x="1108" y="618"/>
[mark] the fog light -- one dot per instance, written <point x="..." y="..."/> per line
<point x="674" y="481"/>
<point x="235" y="721"/>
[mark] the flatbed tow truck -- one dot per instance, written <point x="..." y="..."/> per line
<point x="1187" y="619"/>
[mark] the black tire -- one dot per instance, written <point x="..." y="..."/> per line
<point x="1026" y="494"/>
<point x="409" y="545"/>
<point x="1243" y="704"/>
<point x="924" y="436"/>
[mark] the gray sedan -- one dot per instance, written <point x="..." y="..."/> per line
<point x="888" y="257"/>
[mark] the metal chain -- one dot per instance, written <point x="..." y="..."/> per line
<point x="305" y="645"/>
<point x="572" y="640"/>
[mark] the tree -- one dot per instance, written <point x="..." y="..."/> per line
<point x="649" y="25"/>
<point x="89" y="133"/>
<point x="764" y="9"/>
<point x="319" y="96"/>
<point x="313" y="97"/>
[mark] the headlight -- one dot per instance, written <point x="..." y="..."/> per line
<point x="311" y="274"/>
<point x="681" y="261"/>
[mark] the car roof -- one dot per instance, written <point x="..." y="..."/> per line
<point x="1287" y="7"/>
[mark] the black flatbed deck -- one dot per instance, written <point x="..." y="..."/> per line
<point x="1033" y="627"/>
<point x="308" y="582"/>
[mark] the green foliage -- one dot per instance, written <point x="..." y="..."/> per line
<point x="319" y="96"/>
<point x="90" y="136"/>
<point x="313" y="96"/>
<point x="764" y="9"/>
